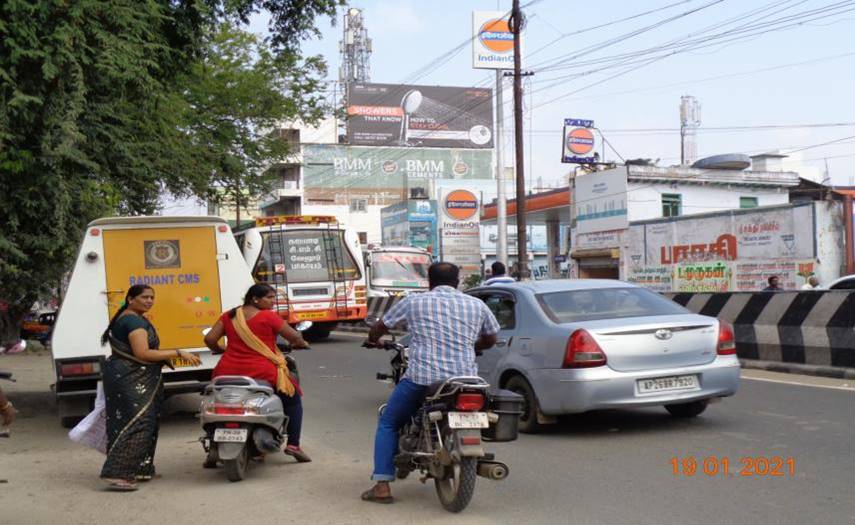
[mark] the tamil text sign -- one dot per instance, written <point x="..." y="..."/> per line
<point x="428" y="116"/>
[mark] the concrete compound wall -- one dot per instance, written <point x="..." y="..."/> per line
<point x="808" y="328"/>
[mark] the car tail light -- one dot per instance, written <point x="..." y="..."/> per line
<point x="80" y="369"/>
<point x="469" y="401"/>
<point x="583" y="351"/>
<point x="726" y="339"/>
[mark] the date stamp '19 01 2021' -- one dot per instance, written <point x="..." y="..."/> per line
<point x="744" y="466"/>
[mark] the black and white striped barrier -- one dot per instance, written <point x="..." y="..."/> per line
<point x="807" y="328"/>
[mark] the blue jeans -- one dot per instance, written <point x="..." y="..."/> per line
<point x="293" y="407"/>
<point x="403" y="403"/>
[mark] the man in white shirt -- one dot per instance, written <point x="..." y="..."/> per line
<point x="499" y="276"/>
<point x="811" y="284"/>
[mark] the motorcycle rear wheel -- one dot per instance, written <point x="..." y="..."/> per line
<point x="456" y="490"/>
<point x="236" y="468"/>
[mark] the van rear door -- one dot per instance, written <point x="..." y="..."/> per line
<point x="180" y="264"/>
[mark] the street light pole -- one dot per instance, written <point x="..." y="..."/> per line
<point x="522" y="254"/>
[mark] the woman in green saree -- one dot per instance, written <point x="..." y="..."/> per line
<point x="133" y="390"/>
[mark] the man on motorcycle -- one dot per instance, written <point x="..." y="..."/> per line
<point x="447" y="328"/>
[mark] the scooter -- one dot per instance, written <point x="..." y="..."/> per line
<point x="242" y="418"/>
<point x="444" y="439"/>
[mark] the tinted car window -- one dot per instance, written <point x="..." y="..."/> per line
<point x="503" y="308"/>
<point x="605" y="303"/>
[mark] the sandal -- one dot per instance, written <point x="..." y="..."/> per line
<point x="297" y="453"/>
<point x="369" y="495"/>
<point x="121" y="485"/>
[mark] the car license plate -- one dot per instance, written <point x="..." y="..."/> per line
<point x="180" y="362"/>
<point x="667" y="384"/>
<point x="230" y="435"/>
<point x="468" y="420"/>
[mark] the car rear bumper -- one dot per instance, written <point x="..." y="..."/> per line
<point x="567" y="391"/>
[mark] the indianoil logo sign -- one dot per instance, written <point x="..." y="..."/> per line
<point x="579" y="142"/>
<point x="493" y="41"/>
<point x="461" y="205"/>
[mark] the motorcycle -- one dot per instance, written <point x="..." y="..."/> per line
<point x="243" y="418"/>
<point x="444" y="438"/>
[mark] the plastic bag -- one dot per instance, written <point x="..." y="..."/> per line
<point x="92" y="430"/>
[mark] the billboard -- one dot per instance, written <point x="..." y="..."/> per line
<point x="426" y="116"/>
<point x="601" y="201"/>
<point x="336" y="167"/>
<point x="579" y="142"/>
<point x="492" y="41"/>
<point x="460" y="230"/>
<point x="733" y="251"/>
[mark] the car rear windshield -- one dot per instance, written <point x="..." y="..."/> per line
<point x="572" y="306"/>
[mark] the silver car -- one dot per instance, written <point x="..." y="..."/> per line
<point x="569" y="346"/>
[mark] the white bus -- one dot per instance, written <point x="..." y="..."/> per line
<point x="396" y="270"/>
<point x="315" y="265"/>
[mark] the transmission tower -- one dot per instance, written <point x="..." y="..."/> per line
<point x="355" y="48"/>
<point x="690" y="121"/>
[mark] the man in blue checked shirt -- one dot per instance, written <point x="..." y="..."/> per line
<point x="447" y="327"/>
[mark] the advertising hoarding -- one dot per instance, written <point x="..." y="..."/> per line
<point x="735" y="251"/>
<point x="601" y="201"/>
<point x="579" y="142"/>
<point x="426" y="116"/>
<point x="493" y="41"/>
<point x="334" y="167"/>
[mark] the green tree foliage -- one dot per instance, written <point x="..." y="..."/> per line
<point x="236" y="96"/>
<point x="94" y="121"/>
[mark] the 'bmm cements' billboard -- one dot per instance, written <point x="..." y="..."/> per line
<point x="427" y="116"/>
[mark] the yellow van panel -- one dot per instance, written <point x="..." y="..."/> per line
<point x="180" y="264"/>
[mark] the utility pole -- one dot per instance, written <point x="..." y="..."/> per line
<point x="522" y="252"/>
<point x="501" y="199"/>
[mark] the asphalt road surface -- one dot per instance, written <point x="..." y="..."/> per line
<point x="613" y="467"/>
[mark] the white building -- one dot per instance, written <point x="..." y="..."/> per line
<point x="606" y="202"/>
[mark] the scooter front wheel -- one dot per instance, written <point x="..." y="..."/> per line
<point x="236" y="468"/>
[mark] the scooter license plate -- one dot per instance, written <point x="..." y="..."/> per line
<point x="230" y="435"/>
<point x="468" y="420"/>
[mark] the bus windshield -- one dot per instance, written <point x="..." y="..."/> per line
<point x="399" y="269"/>
<point x="303" y="256"/>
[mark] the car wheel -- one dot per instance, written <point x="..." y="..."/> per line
<point x="528" y="420"/>
<point x="692" y="409"/>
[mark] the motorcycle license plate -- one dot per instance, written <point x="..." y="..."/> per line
<point x="230" y="435"/>
<point x="468" y="420"/>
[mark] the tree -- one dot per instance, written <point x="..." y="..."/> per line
<point x="93" y="121"/>
<point x="237" y="95"/>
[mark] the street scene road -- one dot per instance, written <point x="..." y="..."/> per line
<point x="600" y="467"/>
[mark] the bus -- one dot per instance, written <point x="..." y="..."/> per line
<point x="396" y="270"/>
<point x="315" y="265"/>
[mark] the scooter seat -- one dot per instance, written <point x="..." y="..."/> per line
<point x="239" y="381"/>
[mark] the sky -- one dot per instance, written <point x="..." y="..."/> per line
<point x="797" y="79"/>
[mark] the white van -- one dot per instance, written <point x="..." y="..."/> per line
<point x="197" y="272"/>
